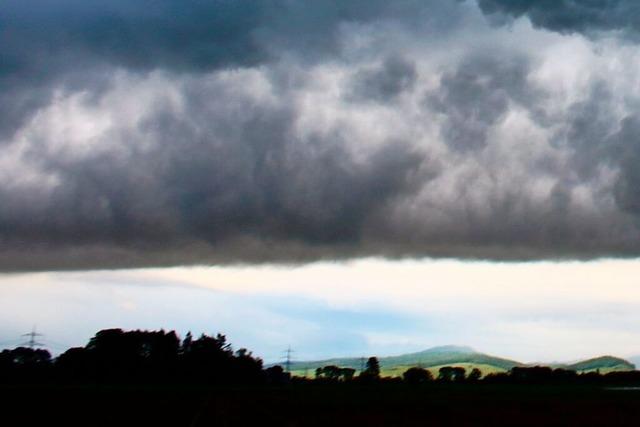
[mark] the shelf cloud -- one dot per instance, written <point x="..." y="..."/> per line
<point x="151" y="133"/>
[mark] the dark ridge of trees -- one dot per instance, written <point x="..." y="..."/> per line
<point x="537" y="375"/>
<point x="544" y="375"/>
<point x="114" y="356"/>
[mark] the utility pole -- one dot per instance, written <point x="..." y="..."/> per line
<point x="32" y="343"/>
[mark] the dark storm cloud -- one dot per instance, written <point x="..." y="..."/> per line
<point x="166" y="133"/>
<point x="477" y="95"/>
<point x="68" y="43"/>
<point x="189" y="34"/>
<point x="211" y="178"/>
<point x="569" y="16"/>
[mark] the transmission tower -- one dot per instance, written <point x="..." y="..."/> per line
<point x="287" y="360"/>
<point x="31" y="342"/>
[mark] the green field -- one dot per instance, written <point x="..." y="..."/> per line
<point x="607" y="369"/>
<point x="397" y="371"/>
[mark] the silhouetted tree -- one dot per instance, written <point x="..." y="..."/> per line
<point x="347" y="374"/>
<point x="185" y="347"/>
<point x="246" y="369"/>
<point x="459" y="374"/>
<point x="445" y="373"/>
<point x="371" y="371"/>
<point x="276" y="375"/>
<point x="331" y="373"/>
<point x="474" y="375"/>
<point x="24" y="365"/>
<point x="208" y="360"/>
<point x="451" y="373"/>
<point x="115" y="355"/>
<point x="335" y="373"/>
<point x="497" y="378"/>
<point x="372" y="367"/>
<point x="27" y="357"/>
<point x="417" y="375"/>
<point x="75" y="364"/>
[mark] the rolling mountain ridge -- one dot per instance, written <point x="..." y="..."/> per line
<point x="467" y="357"/>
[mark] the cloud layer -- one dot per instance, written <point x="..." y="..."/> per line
<point x="592" y="17"/>
<point x="208" y="132"/>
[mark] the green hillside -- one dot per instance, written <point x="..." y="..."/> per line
<point x="437" y="356"/>
<point x="465" y="357"/>
<point x="447" y="356"/>
<point x="603" y="364"/>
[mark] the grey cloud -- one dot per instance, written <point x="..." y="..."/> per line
<point x="229" y="179"/>
<point x="62" y="45"/>
<point x="191" y="34"/>
<point x="256" y="147"/>
<point x="477" y="94"/>
<point x="209" y="180"/>
<point x="386" y="81"/>
<point x="598" y="137"/>
<point x="626" y="146"/>
<point x="571" y="16"/>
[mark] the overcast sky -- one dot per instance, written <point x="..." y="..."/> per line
<point x="270" y="138"/>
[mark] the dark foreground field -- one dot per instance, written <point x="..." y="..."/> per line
<point x="320" y="405"/>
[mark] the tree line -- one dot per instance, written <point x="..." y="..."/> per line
<point x="156" y="357"/>
<point x="114" y="355"/>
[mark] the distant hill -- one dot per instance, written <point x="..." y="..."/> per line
<point x="603" y="364"/>
<point x="436" y="356"/>
<point x="445" y="356"/>
<point x="466" y="357"/>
